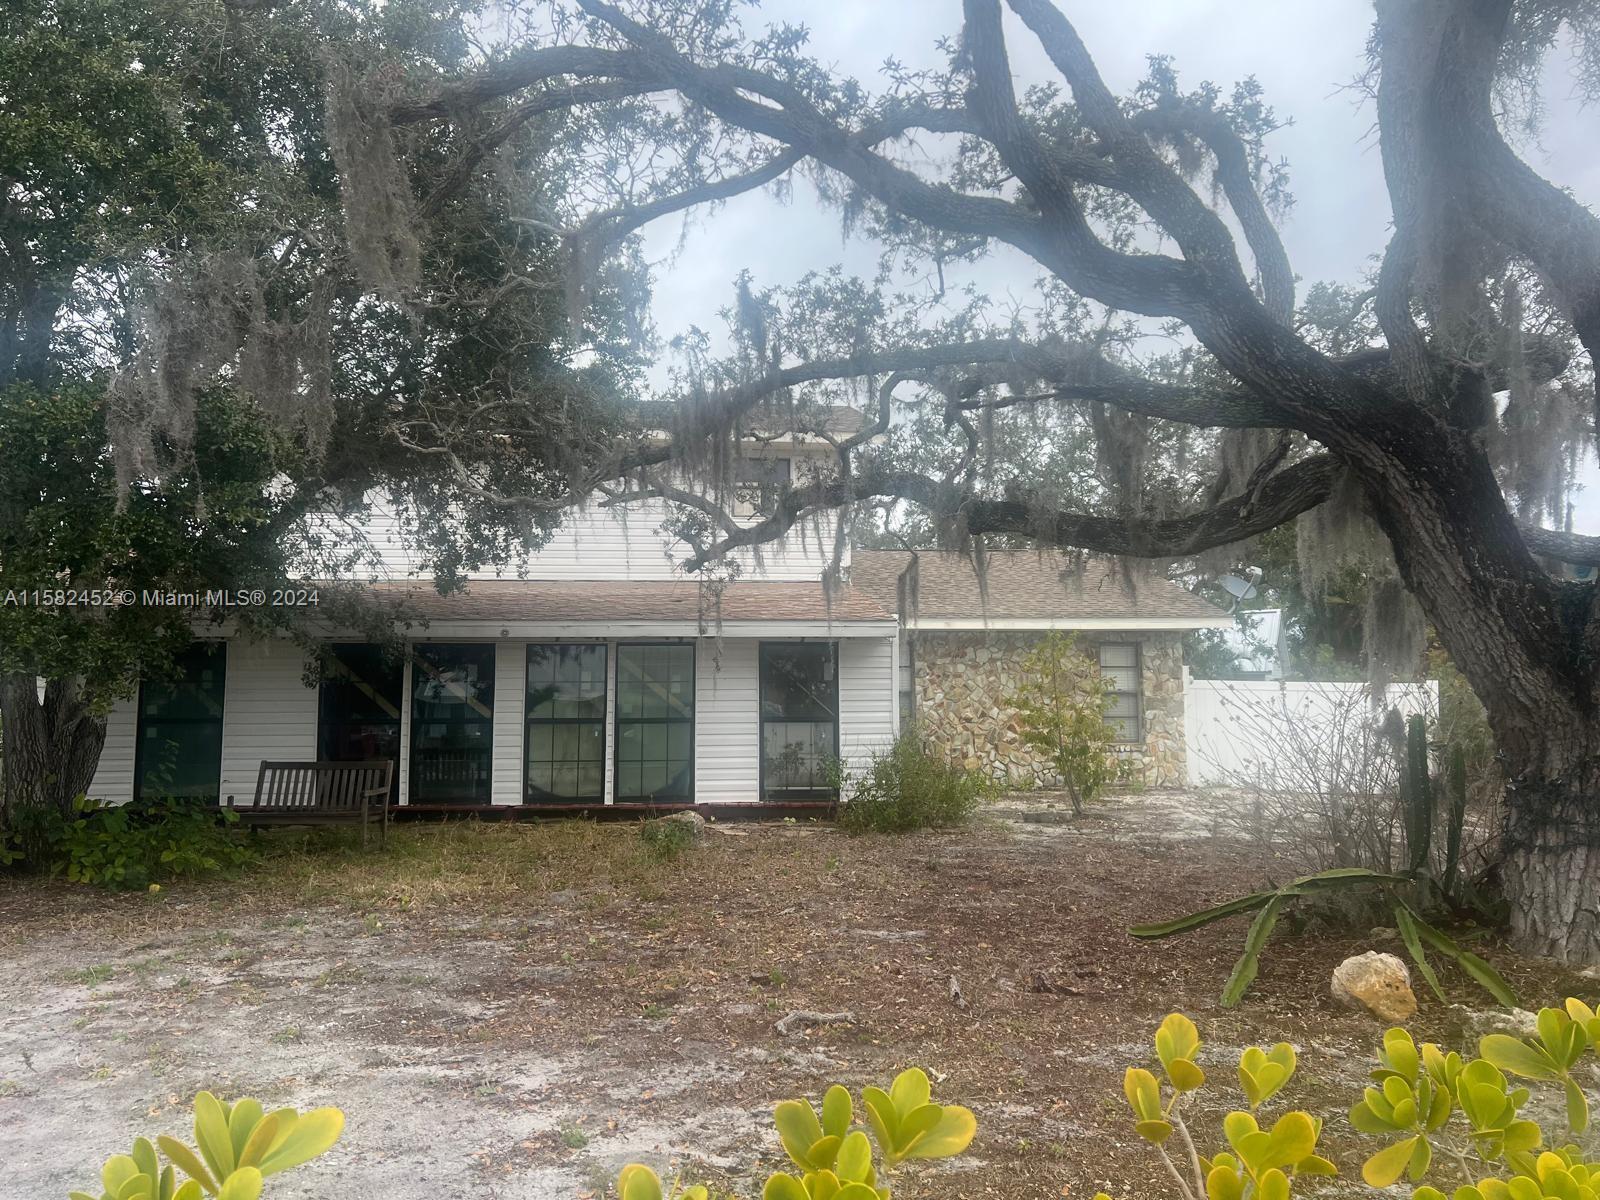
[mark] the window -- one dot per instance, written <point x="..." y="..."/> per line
<point x="566" y="742"/>
<point x="655" y="722"/>
<point x="452" y="724"/>
<point x="799" y="719"/>
<point x="1119" y="667"/>
<point x="180" y="728"/>
<point x="358" y="706"/>
<point x="757" y="485"/>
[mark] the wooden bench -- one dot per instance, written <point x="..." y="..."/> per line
<point x="321" y="793"/>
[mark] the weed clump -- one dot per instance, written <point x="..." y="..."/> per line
<point x="907" y="788"/>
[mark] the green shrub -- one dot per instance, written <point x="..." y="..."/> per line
<point x="908" y="788"/>
<point x="1062" y="709"/>
<point x="145" y="841"/>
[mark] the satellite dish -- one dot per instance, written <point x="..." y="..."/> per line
<point x="1239" y="589"/>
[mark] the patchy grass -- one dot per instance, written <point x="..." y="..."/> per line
<point x="454" y="864"/>
<point x="537" y="1004"/>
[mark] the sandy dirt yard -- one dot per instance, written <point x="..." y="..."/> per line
<point x="515" y="1011"/>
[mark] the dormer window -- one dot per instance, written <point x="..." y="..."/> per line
<point x="757" y="484"/>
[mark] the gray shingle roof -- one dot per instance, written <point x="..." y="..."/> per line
<point x="1025" y="585"/>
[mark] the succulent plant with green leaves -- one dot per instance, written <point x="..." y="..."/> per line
<point x="1439" y="1108"/>
<point x="240" y="1145"/>
<point x="835" y="1158"/>
<point x="639" y="1182"/>
<point x="1258" y="1163"/>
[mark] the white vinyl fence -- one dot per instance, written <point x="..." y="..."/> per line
<point x="1235" y="727"/>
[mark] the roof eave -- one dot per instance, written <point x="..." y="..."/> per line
<point x="1022" y="624"/>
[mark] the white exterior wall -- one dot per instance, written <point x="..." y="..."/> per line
<point x="1234" y="729"/>
<point x="868" y="699"/>
<point x="727" y="728"/>
<point x="268" y="713"/>
<point x="510" y="726"/>
<point x="113" y="775"/>
<point x="614" y="543"/>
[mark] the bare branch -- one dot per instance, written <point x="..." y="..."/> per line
<point x="1284" y="496"/>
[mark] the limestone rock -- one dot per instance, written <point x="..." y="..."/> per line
<point x="1378" y="983"/>
<point x="688" y="818"/>
<point x="1518" y="1022"/>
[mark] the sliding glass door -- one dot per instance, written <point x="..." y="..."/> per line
<point x="566" y="742"/>
<point x="179" y="747"/>
<point x="359" y="705"/>
<point x="452" y="723"/>
<point x="655" y="723"/>
<point x="799" y="719"/>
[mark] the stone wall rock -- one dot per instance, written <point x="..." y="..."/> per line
<point x="963" y="683"/>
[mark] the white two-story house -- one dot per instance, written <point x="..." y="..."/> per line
<point x="600" y="674"/>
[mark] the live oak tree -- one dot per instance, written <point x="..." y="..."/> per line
<point x="61" y="530"/>
<point x="205" y="338"/>
<point x="1383" y="427"/>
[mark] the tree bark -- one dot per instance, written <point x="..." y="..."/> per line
<point x="51" y="748"/>
<point x="1520" y="637"/>
<point x="1550" y="860"/>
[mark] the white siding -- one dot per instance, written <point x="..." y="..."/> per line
<point x="613" y="543"/>
<point x="268" y="713"/>
<point x="727" y="723"/>
<point x="510" y="696"/>
<point x="867" y="699"/>
<point x="405" y="735"/>
<point x="611" y="723"/>
<point x="113" y="775"/>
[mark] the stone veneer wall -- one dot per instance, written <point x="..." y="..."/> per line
<point x="962" y="682"/>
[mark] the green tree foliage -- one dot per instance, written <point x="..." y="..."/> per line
<point x="198" y="200"/>
<point x="63" y="529"/>
<point x="85" y="570"/>
<point x="1062" y="706"/>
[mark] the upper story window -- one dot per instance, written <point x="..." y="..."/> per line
<point x="757" y="484"/>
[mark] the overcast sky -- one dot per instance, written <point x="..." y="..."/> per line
<point x="1304" y="54"/>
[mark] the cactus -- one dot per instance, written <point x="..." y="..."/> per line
<point x="1456" y="778"/>
<point x="1417" y="934"/>
<point x="1416" y="793"/>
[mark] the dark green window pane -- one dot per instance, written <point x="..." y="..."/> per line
<point x="194" y="693"/>
<point x="655" y="722"/>
<point x="566" y="723"/>
<point x="452" y="724"/>
<point x="359" y="706"/>
<point x="453" y="681"/>
<point x="179" y="750"/>
<point x="361" y="683"/>
<point x="799" y="718"/>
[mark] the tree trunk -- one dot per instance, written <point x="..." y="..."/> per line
<point x="51" y="748"/>
<point x="1519" y="637"/>
<point x="1550" y="859"/>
